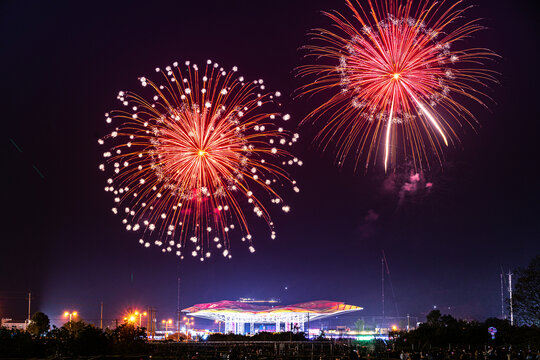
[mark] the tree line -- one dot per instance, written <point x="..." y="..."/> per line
<point x="75" y="338"/>
<point x="444" y="331"/>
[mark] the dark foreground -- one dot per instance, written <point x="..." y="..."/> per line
<point x="260" y="350"/>
<point x="440" y="338"/>
<point x="331" y="350"/>
<point x="338" y="350"/>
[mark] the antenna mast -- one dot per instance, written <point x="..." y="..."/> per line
<point x="101" y="317"/>
<point x="385" y="262"/>
<point x="29" y="305"/>
<point x="382" y="286"/>
<point x="510" y="293"/>
<point x="178" y="309"/>
<point x="502" y="296"/>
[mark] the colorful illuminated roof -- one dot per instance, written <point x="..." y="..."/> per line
<point x="316" y="309"/>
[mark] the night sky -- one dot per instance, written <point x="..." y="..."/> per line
<point x="63" y="64"/>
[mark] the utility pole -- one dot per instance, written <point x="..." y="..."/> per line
<point x="151" y="329"/>
<point x="29" y="305"/>
<point x="510" y="293"/>
<point x="148" y="322"/>
<point x="178" y="309"/>
<point x="382" y="288"/>
<point x="101" y="317"/>
<point x="502" y="297"/>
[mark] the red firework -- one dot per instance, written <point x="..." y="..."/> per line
<point x="400" y="77"/>
<point x="185" y="161"/>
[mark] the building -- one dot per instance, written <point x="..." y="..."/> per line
<point x="237" y="316"/>
<point x="14" y="325"/>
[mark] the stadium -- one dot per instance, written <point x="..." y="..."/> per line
<point x="245" y="318"/>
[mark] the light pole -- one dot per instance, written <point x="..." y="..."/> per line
<point x="141" y="314"/>
<point x="167" y="323"/>
<point x="70" y="314"/>
<point x="188" y="321"/>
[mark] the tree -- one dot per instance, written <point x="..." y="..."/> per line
<point x="434" y="317"/>
<point x="17" y="344"/>
<point x="127" y="338"/>
<point x="90" y="340"/>
<point x="39" y="324"/>
<point x="526" y="300"/>
<point x="74" y="326"/>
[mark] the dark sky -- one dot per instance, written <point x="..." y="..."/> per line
<point x="62" y="66"/>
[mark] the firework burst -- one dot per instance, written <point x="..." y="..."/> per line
<point x="398" y="79"/>
<point x="186" y="163"/>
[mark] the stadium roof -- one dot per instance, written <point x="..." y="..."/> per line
<point x="226" y="309"/>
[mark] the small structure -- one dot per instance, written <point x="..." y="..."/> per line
<point x="236" y="315"/>
<point x="14" y="325"/>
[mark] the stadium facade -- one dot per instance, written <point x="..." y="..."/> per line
<point x="238" y="315"/>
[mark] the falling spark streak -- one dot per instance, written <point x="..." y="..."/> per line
<point x="388" y="127"/>
<point x="395" y="75"/>
<point x="434" y="122"/>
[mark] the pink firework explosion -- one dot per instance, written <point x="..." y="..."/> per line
<point x="398" y="74"/>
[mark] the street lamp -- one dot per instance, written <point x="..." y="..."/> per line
<point x="167" y="323"/>
<point x="188" y="321"/>
<point x="70" y="314"/>
<point x="141" y="314"/>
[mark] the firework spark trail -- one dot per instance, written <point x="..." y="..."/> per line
<point x="387" y="141"/>
<point x="184" y="162"/>
<point x="426" y="112"/>
<point x="393" y="67"/>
